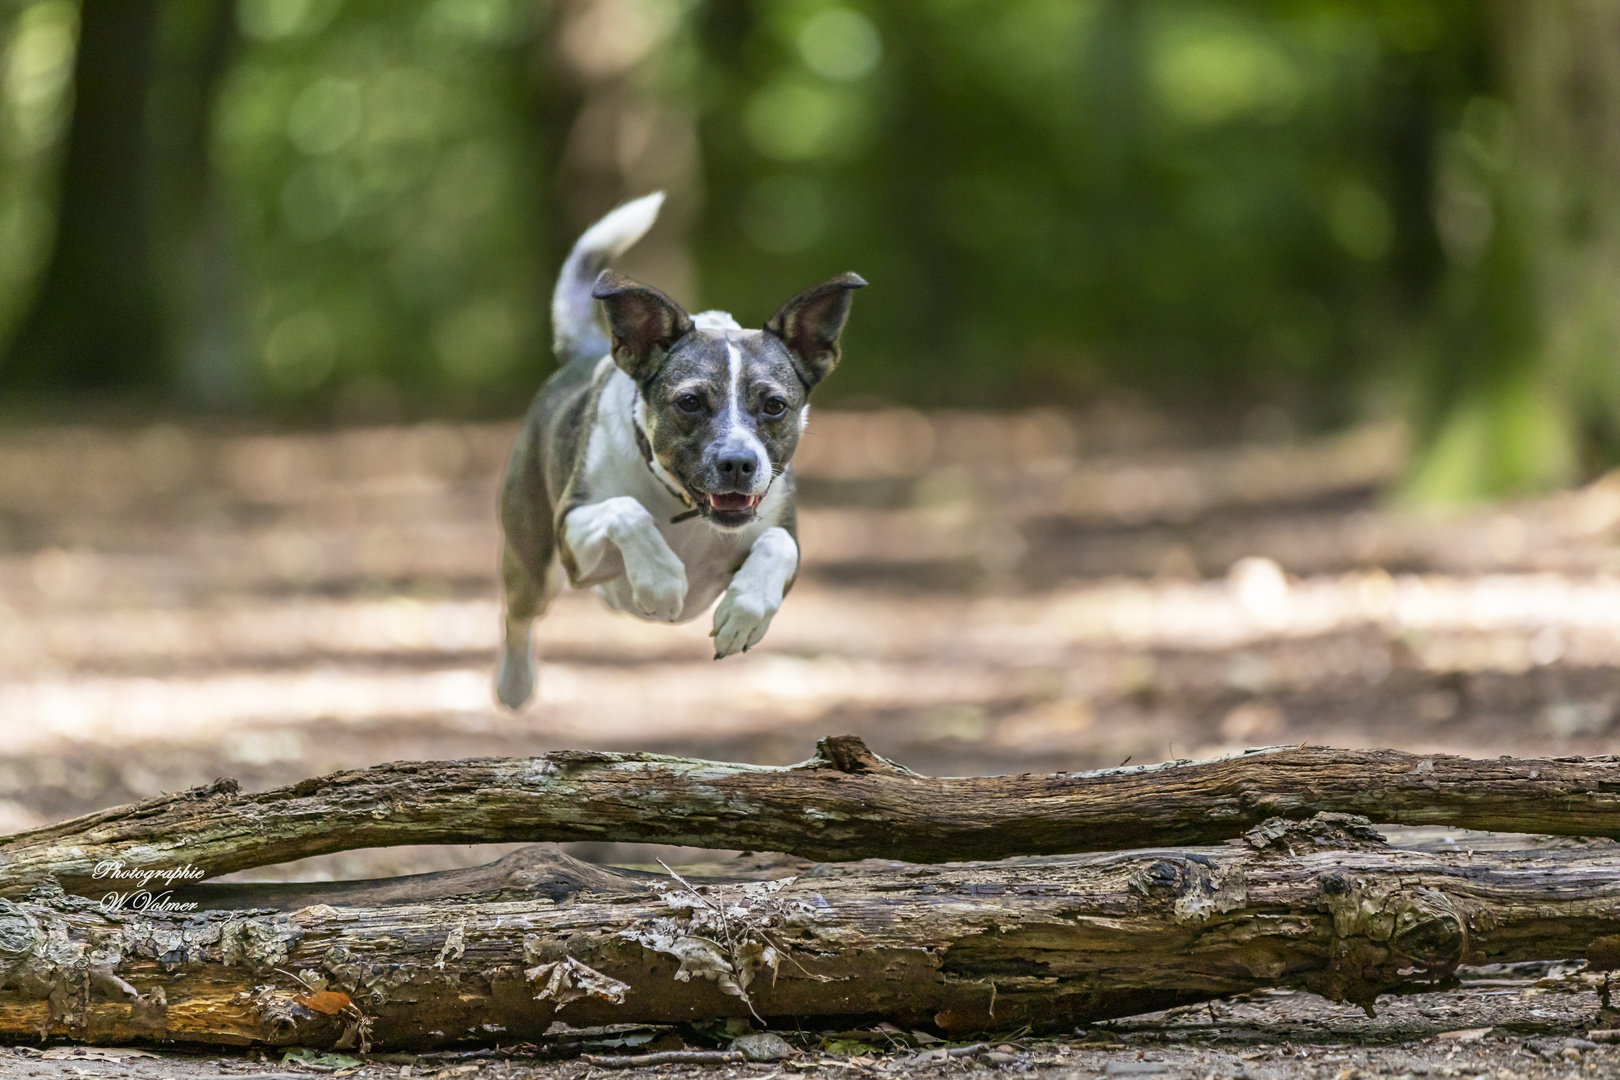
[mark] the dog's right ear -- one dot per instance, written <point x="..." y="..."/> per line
<point x="644" y="322"/>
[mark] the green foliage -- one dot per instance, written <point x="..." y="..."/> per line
<point x="1193" y="198"/>
<point x="1301" y="203"/>
<point x="377" y="172"/>
<point x="37" y="80"/>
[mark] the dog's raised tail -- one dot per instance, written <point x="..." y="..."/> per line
<point x="575" y="331"/>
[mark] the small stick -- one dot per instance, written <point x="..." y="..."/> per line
<point x="938" y="1052"/>
<point x="665" y="1057"/>
<point x="970" y="1050"/>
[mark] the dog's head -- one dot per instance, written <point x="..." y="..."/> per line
<point x="722" y="407"/>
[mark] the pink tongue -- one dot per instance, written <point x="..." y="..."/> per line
<point x="731" y="501"/>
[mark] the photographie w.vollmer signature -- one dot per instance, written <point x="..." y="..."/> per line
<point x="136" y="881"/>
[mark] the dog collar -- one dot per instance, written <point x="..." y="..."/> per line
<point x="645" y="446"/>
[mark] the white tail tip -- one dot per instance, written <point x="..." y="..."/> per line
<point x="615" y="233"/>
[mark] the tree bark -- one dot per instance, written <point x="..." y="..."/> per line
<point x="982" y="946"/>
<point x="844" y="804"/>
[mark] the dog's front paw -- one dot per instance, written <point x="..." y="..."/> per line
<point x="658" y="587"/>
<point x="740" y="621"/>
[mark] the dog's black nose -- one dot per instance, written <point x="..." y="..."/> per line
<point x="737" y="466"/>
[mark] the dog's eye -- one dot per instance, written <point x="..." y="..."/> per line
<point x="689" y="403"/>
<point x="775" y="406"/>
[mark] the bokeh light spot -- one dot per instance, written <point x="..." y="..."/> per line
<point x="1208" y="74"/>
<point x="792" y="120"/>
<point x="300" y="352"/>
<point x="604" y="38"/>
<point x="840" y="44"/>
<point x="39" y="69"/>
<point x="483" y="21"/>
<point x="402" y="105"/>
<point x="272" y="20"/>
<point x="325" y="117"/>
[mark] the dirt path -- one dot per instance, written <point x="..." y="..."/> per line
<point x="980" y="595"/>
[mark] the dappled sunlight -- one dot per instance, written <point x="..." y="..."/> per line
<point x="977" y="596"/>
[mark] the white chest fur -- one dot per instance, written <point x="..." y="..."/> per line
<point x="614" y="467"/>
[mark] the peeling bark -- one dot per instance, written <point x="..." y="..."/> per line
<point x="844" y="804"/>
<point x="1047" y="942"/>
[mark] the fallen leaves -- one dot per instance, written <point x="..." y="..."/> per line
<point x="722" y="935"/>
<point x="569" y="980"/>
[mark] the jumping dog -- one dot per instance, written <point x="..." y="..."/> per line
<point x="656" y="464"/>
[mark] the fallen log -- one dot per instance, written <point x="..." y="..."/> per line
<point x="846" y="803"/>
<point x="1046" y="942"/>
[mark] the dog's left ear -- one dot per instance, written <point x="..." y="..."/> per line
<point x="809" y="325"/>
<point x="645" y="323"/>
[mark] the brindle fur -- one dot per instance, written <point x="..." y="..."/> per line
<point x="671" y="359"/>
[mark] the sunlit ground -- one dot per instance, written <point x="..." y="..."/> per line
<point x="979" y="595"/>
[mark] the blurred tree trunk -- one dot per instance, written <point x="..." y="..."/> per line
<point x="96" y="321"/>
<point x="633" y="132"/>
<point x="1563" y="69"/>
<point x="1528" y="209"/>
<point x="551" y="103"/>
<point x="194" y="247"/>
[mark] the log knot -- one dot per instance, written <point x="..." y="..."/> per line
<point x="1196" y="887"/>
<point x="19" y="937"/>
<point x="848" y="754"/>
<point x="225" y="785"/>
<point x="1384" y="936"/>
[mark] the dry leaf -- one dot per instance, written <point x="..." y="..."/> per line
<point x="329" y="1002"/>
<point x="569" y="980"/>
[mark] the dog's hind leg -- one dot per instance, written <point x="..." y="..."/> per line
<point x="529" y="572"/>
<point x="528" y="594"/>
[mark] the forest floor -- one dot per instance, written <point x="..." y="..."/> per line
<point x="1502" y="1029"/>
<point x="980" y="594"/>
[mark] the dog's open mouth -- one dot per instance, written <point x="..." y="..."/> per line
<point x="732" y="501"/>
